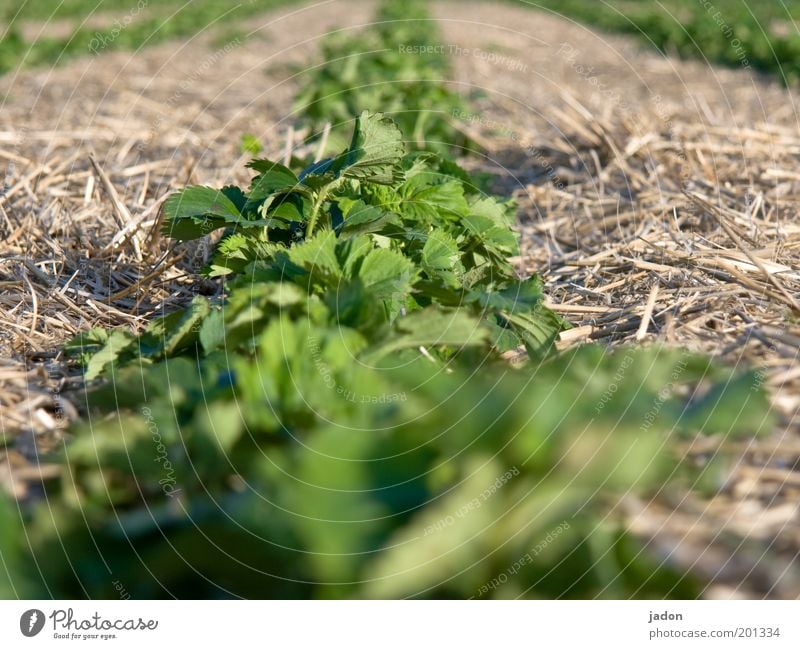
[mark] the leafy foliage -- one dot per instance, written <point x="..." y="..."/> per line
<point x="365" y="239"/>
<point x="396" y="66"/>
<point x="343" y="422"/>
<point x="295" y="472"/>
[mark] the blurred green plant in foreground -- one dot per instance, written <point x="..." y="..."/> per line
<point x="276" y="478"/>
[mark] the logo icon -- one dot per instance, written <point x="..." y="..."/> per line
<point x="31" y="622"/>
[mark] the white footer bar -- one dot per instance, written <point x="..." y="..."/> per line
<point x="405" y="624"/>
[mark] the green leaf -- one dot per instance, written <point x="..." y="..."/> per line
<point x="165" y="336"/>
<point x="497" y="239"/>
<point x="249" y="143"/>
<point x="538" y="329"/>
<point x="434" y="327"/>
<point x="385" y="272"/>
<point x="375" y="151"/>
<point x="317" y="255"/>
<point x="518" y="297"/>
<point x="737" y="407"/>
<point x="360" y="218"/>
<point x="441" y="252"/>
<point x="430" y="199"/>
<point x="237" y="250"/>
<point x="273" y="177"/>
<point x="86" y="344"/>
<point x="117" y="343"/>
<point x="440" y="542"/>
<point x="195" y="211"/>
<point x="212" y="331"/>
<point x="351" y="252"/>
<point x="503" y="214"/>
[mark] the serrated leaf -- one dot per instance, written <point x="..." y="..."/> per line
<point x="518" y="297"/>
<point x="237" y="250"/>
<point x="317" y="255"/>
<point x="164" y="336"/>
<point x="86" y="343"/>
<point x="502" y="213"/>
<point x="429" y="201"/>
<point x="440" y="252"/>
<point x="117" y="343"/>
<point x="360" y="218"/>
<point x="503" y="241"/>
<point x="538" y="329"/>
<point x="351" y="253"/>
<point x="195" y="211"/>
<point x="272" y="177"/>
<point x="235" y="195"/>
<point x="375" y="151"/>
<point x="318" y="173"/>
<point x="433" y="327"/>
<point x="441" y="260"/>
<point x="384" y="271"/>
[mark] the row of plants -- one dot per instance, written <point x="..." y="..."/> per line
<point x="393" y="67"/>
<point x="133" y="25"/>
<point x="345" y="420"/>
<point x="758" y="35"/>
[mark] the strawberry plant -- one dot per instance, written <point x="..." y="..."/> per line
<point x="402" y="248"/>
<point x="296" y="472"/>
<point x="396" y="66"/>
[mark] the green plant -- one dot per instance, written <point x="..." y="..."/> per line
<point x="295" y="472"/>
<point x="404" y="249"/>
<point x="396" y="66"/>
<point x="250" y="143"/>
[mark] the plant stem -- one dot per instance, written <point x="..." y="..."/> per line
<point x="321" y="197"/>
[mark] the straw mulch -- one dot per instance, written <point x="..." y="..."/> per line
<point x="657" y="200"/>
